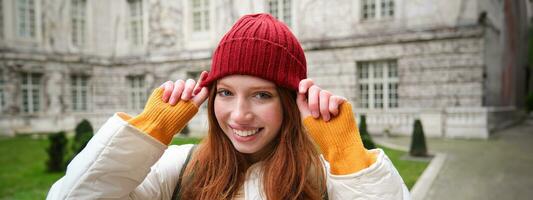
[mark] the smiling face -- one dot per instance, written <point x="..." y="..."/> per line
<point x="249" y="111"/>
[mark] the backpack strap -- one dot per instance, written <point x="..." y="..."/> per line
<point x="177" y="189"/>
<point x="325" y="192"/>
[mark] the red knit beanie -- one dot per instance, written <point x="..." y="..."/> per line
<point x="261" y="46"/>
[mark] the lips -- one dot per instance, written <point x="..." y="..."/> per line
<point x="245" y="133"/>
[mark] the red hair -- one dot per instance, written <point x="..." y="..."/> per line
<point x="292" y="170"/>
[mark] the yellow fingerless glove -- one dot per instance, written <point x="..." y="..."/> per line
<point x="161" y="120"/>
<point x="340" y="142"/>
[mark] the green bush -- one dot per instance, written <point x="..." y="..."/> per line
<point x="56" y="152"/>
<point x="367" y="140"/>
<point x="418" y="141"/>
<point x="529" y="102"/>
<point x="83" y="133"/>
<point x="185" y="131"/>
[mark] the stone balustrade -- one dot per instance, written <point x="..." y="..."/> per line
<point x="458" y="122"/>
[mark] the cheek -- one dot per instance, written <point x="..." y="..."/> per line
<point x="219" y="110"/>
<point x="273" y="115"/>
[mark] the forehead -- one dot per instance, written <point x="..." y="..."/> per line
<point x="245" y="81"/>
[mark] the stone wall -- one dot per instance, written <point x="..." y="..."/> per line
<point x="435" y="71"/>
<point x="441" y="80"/>
<point x="107" y="83"/>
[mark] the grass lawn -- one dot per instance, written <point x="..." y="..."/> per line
<point x="23" y="176"/>
<point x="22" y="172"/>
<point x="409" y="170"/>
<point x="185" y="140"/>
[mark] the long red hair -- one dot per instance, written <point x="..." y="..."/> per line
<point x="292" y="170"/>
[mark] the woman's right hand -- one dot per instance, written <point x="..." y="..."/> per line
<point x="184" y="91"/>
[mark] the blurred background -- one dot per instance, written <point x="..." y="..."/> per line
<point x="462" y="67"/>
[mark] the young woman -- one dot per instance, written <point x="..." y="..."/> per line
<point x="265" y="122"/>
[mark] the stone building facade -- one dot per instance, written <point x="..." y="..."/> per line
<point x="458" y="65"/>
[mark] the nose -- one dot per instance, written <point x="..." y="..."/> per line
<point x="241" y="112"/>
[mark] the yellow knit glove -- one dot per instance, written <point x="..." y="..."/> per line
<point x="161" y="120"/>
<point x="340" y="142"/>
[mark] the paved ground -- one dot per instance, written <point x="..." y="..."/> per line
<point x="498" y="168"/>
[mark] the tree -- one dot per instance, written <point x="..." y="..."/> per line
<point x="367" y="140"/>
<point x="56" y="152"/>
<point x="418" y="141"/>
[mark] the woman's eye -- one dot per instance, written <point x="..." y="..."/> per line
<point x="224" y="93"/>
<point x="263" y="95"/>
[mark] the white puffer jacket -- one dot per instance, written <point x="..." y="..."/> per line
<point x="121" y="162"/>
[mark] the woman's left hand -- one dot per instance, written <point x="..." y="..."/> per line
<point x="316" y="102"/>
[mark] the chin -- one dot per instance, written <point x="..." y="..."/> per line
<point x="244" y="150"/>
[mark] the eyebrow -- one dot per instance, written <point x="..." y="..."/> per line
<point x="263" y="88"/>
<point x="251" y="88"/>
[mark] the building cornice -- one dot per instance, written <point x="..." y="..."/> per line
<point x="182" y="56"/>
<point x="404" y="36"/>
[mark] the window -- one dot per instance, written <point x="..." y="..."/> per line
<point x="31" y="92"/>
<point x="370" y="9"/>
<point x="138" y="93"/>
<point x="378" y="84"/>
<point x="387" y="8"/>
<point x="281" y="9"/>
<point x="1" y="19"/>
<point x="200" y="15"/>
<point x="25" y="18"/>
<point x="136" y="22"/>
<point x="79" y="92"/>
<point x="77" y="23"/>
<point x="2" y="83"/>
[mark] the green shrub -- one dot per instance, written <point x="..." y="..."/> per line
<point x="418" y="141"/>
<point x="83" y="133"/>
<point x="367" y="140"/>
<point x="529" y="102"/>
<point x="185" y="131"/>
<point x="56" y="152"/>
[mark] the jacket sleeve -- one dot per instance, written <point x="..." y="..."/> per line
<point x="379" y="181"/>
<point x="121" y="162"/>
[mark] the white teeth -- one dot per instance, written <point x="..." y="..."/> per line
<point x="245" y="133"/>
